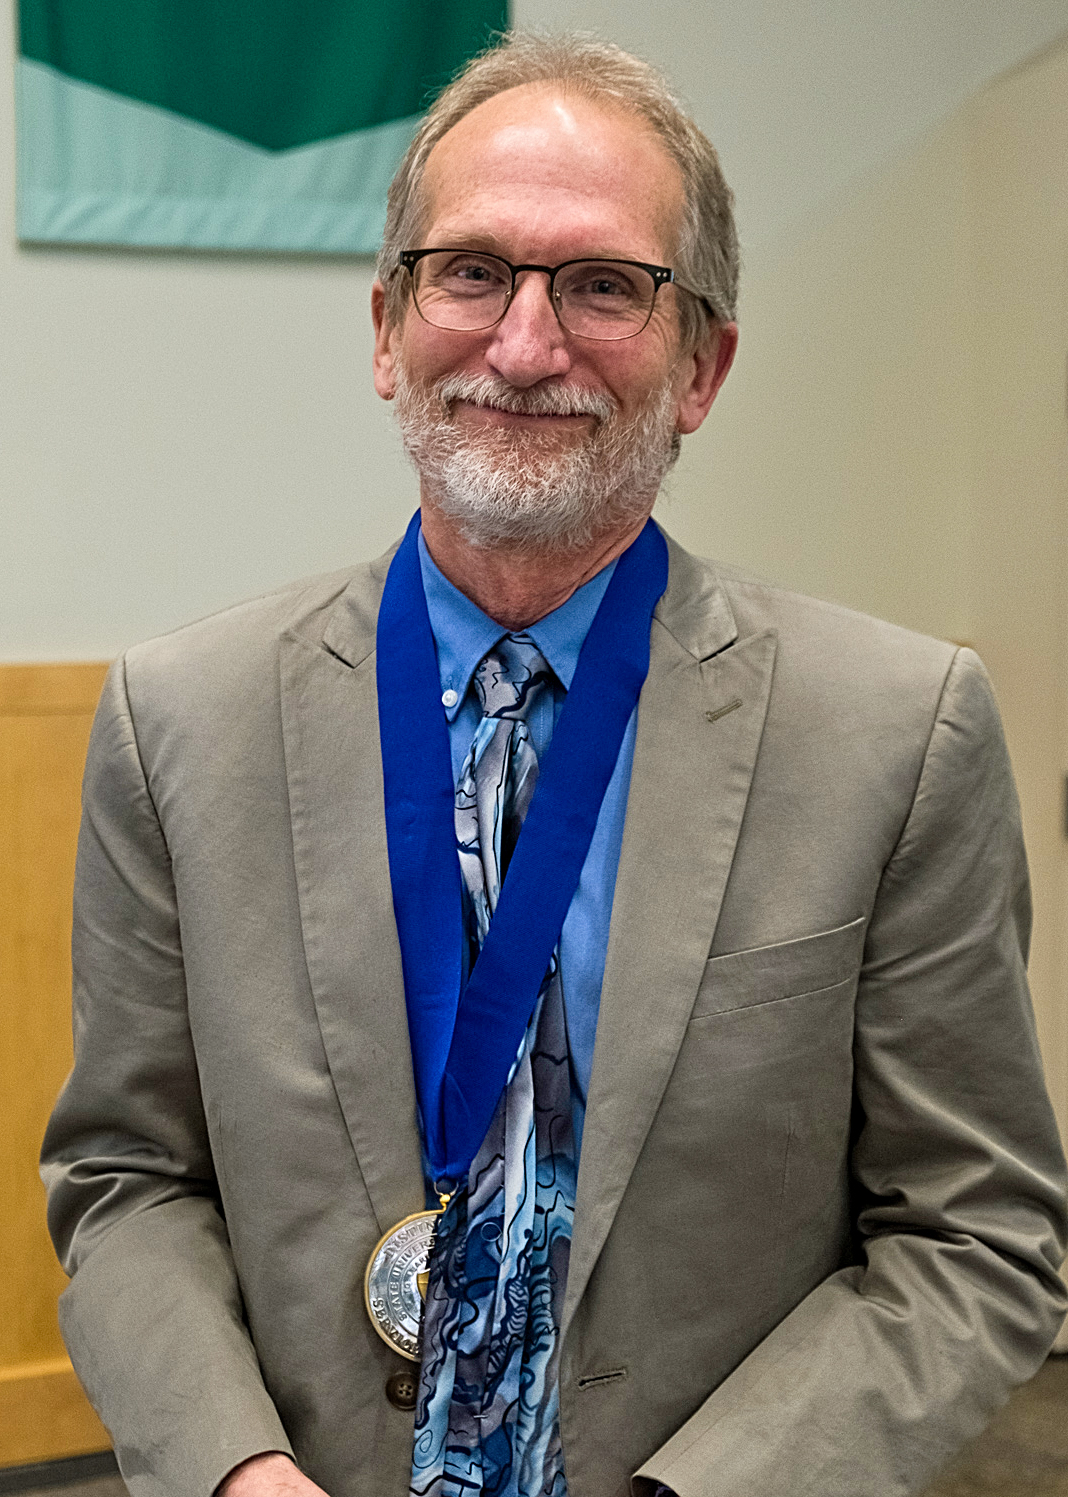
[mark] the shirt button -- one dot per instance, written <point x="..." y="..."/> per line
<point x="401" y="1390"/>
<point x="449" y="698"/>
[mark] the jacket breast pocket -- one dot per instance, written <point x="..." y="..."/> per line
<point x="751" y="1141"/>
<point x="788" y="969"/>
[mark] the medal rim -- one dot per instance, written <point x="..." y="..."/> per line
<point x="375" y="1322"/>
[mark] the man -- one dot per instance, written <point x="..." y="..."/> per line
<point x="813" y="1237"/>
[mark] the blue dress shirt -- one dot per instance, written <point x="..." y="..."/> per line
<point x="462" y="635"/>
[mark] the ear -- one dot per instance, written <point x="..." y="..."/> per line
<point x="383" y="360"/>
<point x="702" y="374"/>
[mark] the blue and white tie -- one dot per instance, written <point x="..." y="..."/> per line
<point x="487" y="1416"/>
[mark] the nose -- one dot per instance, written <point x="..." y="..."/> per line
<point x="528" y="343"/>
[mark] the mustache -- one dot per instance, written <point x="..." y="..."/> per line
<point x="539" y="400"/>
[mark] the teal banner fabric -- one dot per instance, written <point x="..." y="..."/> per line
<point x="227" y="124"/>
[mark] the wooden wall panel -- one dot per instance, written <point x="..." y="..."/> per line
<point x="44" y="1415"/>
<point x="45" y="715"/>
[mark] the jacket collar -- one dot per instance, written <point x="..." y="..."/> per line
<point x="672" y="874"/>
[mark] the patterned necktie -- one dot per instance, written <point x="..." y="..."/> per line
<point x="487" y="1417"/>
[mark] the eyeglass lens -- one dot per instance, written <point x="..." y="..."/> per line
<point x="605" y="299"/>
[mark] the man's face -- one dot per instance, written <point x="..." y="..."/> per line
<point x="524" y="431"/>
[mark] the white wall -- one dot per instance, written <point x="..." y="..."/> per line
<point x="177" y="431"/>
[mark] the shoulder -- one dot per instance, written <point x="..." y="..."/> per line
<point x="220" y="674"/>
<point x="828" y="647"/>
<point x="850" y="695"/>
<point x="245" y="636"/>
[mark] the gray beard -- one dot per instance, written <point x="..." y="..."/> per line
<point x="510" y="488"/>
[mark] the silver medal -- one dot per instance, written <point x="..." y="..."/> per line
<point x="394" y="1285"/>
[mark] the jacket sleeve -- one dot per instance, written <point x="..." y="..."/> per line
<point x="957" y="1175"/>
<point x="152" y="1317"/>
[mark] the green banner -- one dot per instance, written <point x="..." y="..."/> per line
<point x="236" y="124"/>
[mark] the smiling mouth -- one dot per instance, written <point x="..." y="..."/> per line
<point x="497" y="402"/>
<point x="504" y="412"/>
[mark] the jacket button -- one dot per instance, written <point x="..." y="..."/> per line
<point x="400" y="1390"/>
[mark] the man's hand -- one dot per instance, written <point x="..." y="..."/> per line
<point x="269" y="1475"/>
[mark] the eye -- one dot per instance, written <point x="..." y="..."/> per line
<point x="461" y="274"/>
<point x="607" y="286"/>
<point x="595" y="283"/>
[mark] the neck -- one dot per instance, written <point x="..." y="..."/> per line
<point x="515" y="585"/>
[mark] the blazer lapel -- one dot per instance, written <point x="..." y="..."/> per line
<point x="676" y="856"/>
<point x="700" y="719"/>
<point x="334" y="772"/>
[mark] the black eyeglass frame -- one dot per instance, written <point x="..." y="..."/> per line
<point x="662" y="275"/>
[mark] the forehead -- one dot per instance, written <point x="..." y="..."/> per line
<point x="536" y="170"/>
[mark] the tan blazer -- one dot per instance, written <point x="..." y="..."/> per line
<point x="821" y="1191"/>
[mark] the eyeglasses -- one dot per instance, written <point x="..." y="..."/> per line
<point x="467" y="291"/>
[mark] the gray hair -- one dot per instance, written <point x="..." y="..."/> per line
<point x="706" y="257"/>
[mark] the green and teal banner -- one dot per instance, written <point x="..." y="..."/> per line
<point x="227" y="124"/>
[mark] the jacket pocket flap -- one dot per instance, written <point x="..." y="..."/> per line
<point x="787" y="969"/>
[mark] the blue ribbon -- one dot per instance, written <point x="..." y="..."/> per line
<point x="464" y="1042"/>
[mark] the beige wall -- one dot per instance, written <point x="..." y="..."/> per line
<point x="837" y="461"/>
<point x="1018" y="543"/>
<point x="895" y="435"/>
<point x="177" y="431"/>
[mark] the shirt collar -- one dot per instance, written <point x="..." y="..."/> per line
<point x="463" y="633"/>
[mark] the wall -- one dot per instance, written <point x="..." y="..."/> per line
<point x="45" y="715"/>
<point x="838" y="460"/>
<point x="179" y="431"/>
<point x="896" y="431"/>
<point x="1018" y="544"/>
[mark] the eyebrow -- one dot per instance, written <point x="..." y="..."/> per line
<point x="489" y="244"/>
